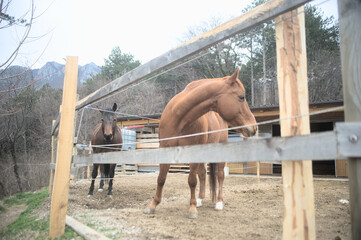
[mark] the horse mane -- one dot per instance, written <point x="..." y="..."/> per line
<point x="197" y="83"/>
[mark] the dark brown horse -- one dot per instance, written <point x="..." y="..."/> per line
<point x="204" y="105"/>
<point x="106" y="132"/>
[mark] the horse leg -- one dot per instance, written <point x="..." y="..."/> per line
<point x="220" y="175"/>
<point x="163" y="171"/>
<point x="192" y="182"/>
<point x="202" y="173"/>
<point x="102" y="176"/>
<point x="111" y="176"/>
<point x="94" y="175"/>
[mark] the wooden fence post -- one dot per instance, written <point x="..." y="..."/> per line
<point x="299" y="213"/>
<point x="350" y="36"/>
<point x="59" y="199"/>
<point x="52" y="161"/>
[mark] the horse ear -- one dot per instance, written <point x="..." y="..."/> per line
<point x="114" y="107"/>
<point x="232" y="79"/>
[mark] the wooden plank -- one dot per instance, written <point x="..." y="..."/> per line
<point x="316" y="146"/>
<point x="179" y="168"/>
<point x="148" y="167"/>
<point x="52" y="161"/>
<point x="236" y="168"/>
<point x="147" y="145"/>
<point x="256" y="16"/>
<point x="265" y="168"/>
<point x="149" y="140"/>
<point x="341" y="168"/>
<point x="150" y="135"/>
<point x="59" y="199"/>
<point x="83" y="230"/>
<point x="350" y="35"/>
<point x="298" y="192"/>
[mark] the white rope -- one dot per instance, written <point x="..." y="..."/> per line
<point x="120" y="113"/>
<point x="227" y="129"/>
<point x="157" y="75"/>
<point x="81" y="119"/>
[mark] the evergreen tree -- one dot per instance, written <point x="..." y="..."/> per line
<point x="118" y="63"/>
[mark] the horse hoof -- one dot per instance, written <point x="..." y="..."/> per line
<point x="110" y="196"/>
<point x="149" y="210"/>
<point x="100" y="190"/>
<point x="90" y="195"/>
<point x="199" y="202"/>
<point x="219" y="206"/>
<point x="193" y="215"/>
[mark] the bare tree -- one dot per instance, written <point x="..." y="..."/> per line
<point x="24" y="115"/>
<point x="7" y="21"/>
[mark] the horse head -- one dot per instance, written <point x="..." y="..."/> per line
<point x="109" y="122"/>
<point x="233" y="107"/>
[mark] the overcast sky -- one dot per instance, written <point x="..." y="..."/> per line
<point x="91" y="29"/>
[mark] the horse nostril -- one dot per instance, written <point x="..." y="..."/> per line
<point x="108" y="136"/>
<point x="248" y="132"/>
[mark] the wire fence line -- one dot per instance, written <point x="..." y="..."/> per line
<point x="109" y="146"/>
<point x="155" y="171"/>
<point x="123" y="114"/>
<point x="189" y="61"/>
<point x="150" y="78"/>
<point x="188" y="54"/>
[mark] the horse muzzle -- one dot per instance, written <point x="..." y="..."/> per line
<point x="108" y="137"/>
<point x="249" y="132"/>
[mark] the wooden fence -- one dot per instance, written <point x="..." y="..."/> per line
<point x="294" y="147"/>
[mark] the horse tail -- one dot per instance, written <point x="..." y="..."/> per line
<point x="213" y="180"/>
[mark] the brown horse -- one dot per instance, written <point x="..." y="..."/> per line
<point x="106" y="132"/>
<point x="204" y="105"/>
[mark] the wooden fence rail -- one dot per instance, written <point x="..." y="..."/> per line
<point x="317" y="146"/>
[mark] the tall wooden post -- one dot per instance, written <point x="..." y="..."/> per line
<point x="52" y="161"/>
<point x="299" y="214"/>
<point x="350" y="35"/>
<point x="59" y="199"/>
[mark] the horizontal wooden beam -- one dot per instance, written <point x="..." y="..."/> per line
<point x="344" y="142"/>
<point x="254" y="17"/>
<point x="83" y="230"/>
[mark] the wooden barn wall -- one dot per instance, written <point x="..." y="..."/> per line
<point x="261" y="114"/>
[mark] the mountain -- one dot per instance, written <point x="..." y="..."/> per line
<point x="87" y="71"/>
<point x="51" y="73"/>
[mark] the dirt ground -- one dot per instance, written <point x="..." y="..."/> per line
<point x="252" y="210"/>
<point x="10" y="215"/>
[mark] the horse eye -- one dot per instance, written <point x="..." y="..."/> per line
<point x="102" y="119"/>
<point x="241" y="98"/>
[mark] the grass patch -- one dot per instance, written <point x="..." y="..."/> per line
<point x="25" y="222"/>
<point x="91" y="225"/>
<point x="108" y="229"/>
